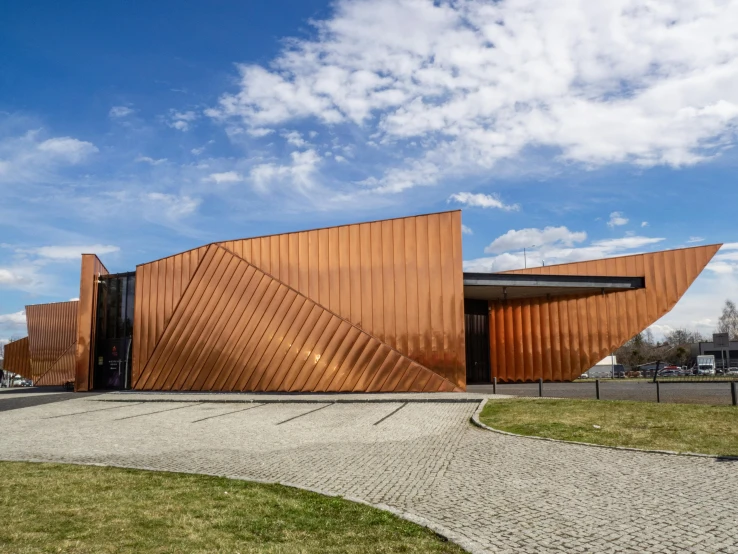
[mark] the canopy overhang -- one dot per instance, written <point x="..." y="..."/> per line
<point x="503" y="286"/>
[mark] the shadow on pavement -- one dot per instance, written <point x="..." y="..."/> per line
<point x="36" y="396"/>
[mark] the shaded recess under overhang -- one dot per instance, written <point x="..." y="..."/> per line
<point x="501" y="286"/>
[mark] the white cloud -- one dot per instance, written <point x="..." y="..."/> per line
<point x="71" y="252"/>
<point x="295" y="139"/>
<point x="10" y="277"/>
<point x="644" y="223"/>
<point x="482" y="201"/>
<point x="693" y="240"/>
<point x="181" y="120"/>
<point x="68" y="149"/>
<point x="14" y="320"/>
<point x="551" y="245"/>
<point x="478" y="82"/>
<point x="259" y="132"/>
<point x="171" y="206"/>
<point x="30" y="158"/>
<point x="298" y="175"/>
<point x="527" y="238"/>
<point x="617" y="219"/>
<point x="151" y="161"/>
<point x="117" y="112"/>
<point x="226" y="177"/>
<point x="466" y="230"/>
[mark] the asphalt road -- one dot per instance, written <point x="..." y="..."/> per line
<point x="620" y="389"/>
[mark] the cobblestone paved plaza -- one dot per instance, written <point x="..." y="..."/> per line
<point x="490" y="492"/>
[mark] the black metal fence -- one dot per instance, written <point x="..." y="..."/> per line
<point x="705" y="391"/>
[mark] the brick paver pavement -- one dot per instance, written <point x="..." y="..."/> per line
<point x="489" y="491"/>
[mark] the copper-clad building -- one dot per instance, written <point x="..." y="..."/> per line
<point x="370" y="307"/>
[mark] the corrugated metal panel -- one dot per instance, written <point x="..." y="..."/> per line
<point x="159" y="287"/>
<point x="237" y="328"/>
<point x="52" y="335"/>
<point x="575" y="332"/>
<point x="400" y="280"/>
<point x="61" y="371"/>
<point x="91" y="269"/>
<point x="18" y="358"/>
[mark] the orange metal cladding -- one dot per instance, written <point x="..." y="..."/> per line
<point x="52" y="335"/>
<point x="237" y="328"/>
<point x="400" y="280"/>
<point x="558" y="339"/>
<point x="159" y="287"/>
<point x="92" y="268"/>
<point x="18" y="358"/>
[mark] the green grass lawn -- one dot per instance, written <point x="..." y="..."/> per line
<point x="83" y="509"/>
<point x="677" y="427"/>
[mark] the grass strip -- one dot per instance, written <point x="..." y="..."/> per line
<point x="85" y="509"/>
<point x="676" y="427"/>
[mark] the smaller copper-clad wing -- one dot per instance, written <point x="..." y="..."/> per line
<point x="18" y="358"/>
<point x="560" y="338"/>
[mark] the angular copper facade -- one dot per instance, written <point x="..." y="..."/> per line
<point x="52" y="336"/>
<point x="400" y="280"/>
<point x="91" y="269"/>
<point x="559" y="338"/>
<point x="237" y="328"/>
<point x="18" y="358"/>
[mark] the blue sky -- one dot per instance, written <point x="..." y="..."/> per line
<point x="580" y="131"/>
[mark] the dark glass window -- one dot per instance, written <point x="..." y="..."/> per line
<point x="114" y="331"/>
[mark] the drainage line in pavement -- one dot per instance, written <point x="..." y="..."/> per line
<point x="231" y="412"/>
<point x="391" y="414"/>
<point x="158" y="412"/>
<point x="89" y="411"/>
<point x="306" y="413"/>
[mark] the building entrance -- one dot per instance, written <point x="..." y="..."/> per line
<point x="114" y="331"/>
<point x="476" y="321"/>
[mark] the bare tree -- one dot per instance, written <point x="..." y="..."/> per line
<point x="728" y="322"/>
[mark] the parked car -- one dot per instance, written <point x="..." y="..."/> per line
<point x="669" y="373"/>
<point x="584" y="376"/>
<point x="732" y="371"/>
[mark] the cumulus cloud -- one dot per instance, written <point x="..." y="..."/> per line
<point x="295" y="139"/>
<point x="30" y="157"/>
<point x="644" y="223"/>
<point x="297" y="175"/>
<point x="68" y="149"/>
<point x="181" y="120"/>
<point x="225" y="177"/>
<point x="150" y="160"/>
<point x="10" y="277"/>
<point x="482" y="201"/>
<point x="528" y="238"/>
<point x="479" y="81"/>
<point x="172" y="206"/>
<point x="551" y="245"/>
<point x="117" y="112"/>
<point x="70" y="252"/>
<point x="617" y="219"/>
<point x="14" y="320"/>
<point x="466" y="230"/>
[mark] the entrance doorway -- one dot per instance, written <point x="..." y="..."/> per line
<point x="476" y="321"/>
<point x="114" y="331"/>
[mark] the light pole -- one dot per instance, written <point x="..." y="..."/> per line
<point x="525" y="256"/>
